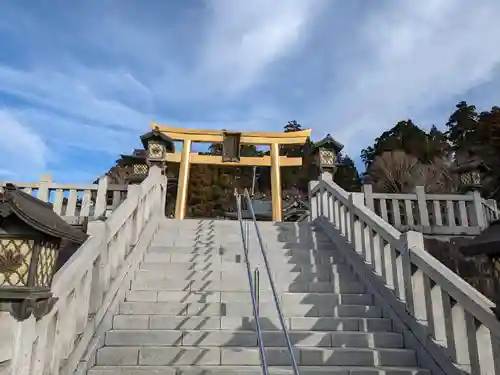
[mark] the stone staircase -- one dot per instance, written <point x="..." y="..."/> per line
<point x="188" y="310"/>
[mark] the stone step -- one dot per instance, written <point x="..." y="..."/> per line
<point x="221" y="338"/>
<point x="273" y="258"/>
<point x="233" y="249"/>
<point x="324" y="257"/>
<point x="169" y="322"/>
<point x="191" y="236"/>
<point x="339" y="286"/>
<point x="281" y="268"/>
<point x="269" y="245"/>
<point x="233" y="236"/>
<point x="185" y="272"/>
<point x="286" y="299"/>
<point x="230" y="276"/>
<point x="235" y="229"/>
<point x="218" y="264"/>
<point x="241" y="309"/>
<point x="185" y="356"/>
<point x="253" y="370"/>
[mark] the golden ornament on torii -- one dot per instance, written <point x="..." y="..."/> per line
<point x="231" y="142"/>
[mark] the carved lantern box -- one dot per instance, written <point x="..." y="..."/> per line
<point x="324" y="154"/>
<point x="135" y="166"/>
<point x="157" y="145"/>
<point x="231" y="147"/>
<point x="30" y="238"/>
<point x="470" y="173"/>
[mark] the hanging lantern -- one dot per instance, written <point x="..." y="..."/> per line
<point x="470" y="173"/>
<point x="324" y="154"/>
<point x="157" y="145"/>
<point x="30" y="238"/>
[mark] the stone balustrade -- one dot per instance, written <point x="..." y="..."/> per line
<point x="433" y="214"/>
<point x="88" y="287"/>
<point x="76" y="201"/>
<point x="448" y="322"/>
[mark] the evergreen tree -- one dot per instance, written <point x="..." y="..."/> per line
<point x="347" y="175"/>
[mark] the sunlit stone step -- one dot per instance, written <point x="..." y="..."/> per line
<point x="244" y="309"/>
<point x="184" y="356"/>
<point x="254" y="370"/>
<point x="221" y="338"/>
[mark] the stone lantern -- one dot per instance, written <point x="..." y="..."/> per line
<point x="324" y="156"/>
<point x="157" y="145"/>
<point x="135" y="166"/>
<point x="30" y="238"/>
<point x="470" y="173"/>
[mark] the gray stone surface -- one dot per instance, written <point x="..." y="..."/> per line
<point x="189" y="311"/>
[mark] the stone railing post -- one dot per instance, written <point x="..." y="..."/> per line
<point x="493" y="204"/>
<point x="313" y="201"/>
<point x="101" y="202"/>
<point x="422" y="207"/>
<point x="368" y="192"/>
<point x="356" y="231"/>
<point x="23" y="336"/>
<point x="43" y="190"/>
<point x="99" y="273"/>
<point x="325" y="176"/>
<point x="479" y="210"/>
<point x="412" y="291"/>
<point x="164" y="196"/>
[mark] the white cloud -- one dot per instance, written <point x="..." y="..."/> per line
<point x="246" y="37"/>
<point x="91" y="94"/>
<point x="24" y="153"/>
<point x="418" y="54"/>
<point x="349" y="69"/>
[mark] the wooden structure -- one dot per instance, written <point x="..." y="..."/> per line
<point x="31" y="234"/>
<point x="231" y="142"/>
<point x="134" y="166"/>
<point x="325" y="154"/>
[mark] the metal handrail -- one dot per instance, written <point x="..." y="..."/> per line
<point x="273" y="287"/>
<point x="255" y="307"/>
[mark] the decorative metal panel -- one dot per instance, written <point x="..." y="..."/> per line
<point x="140" y="169"/>
<point x="15" y="259"/>
<point x="470" y="178"/>
<point x="156" y="150"/>
<point x="46" y="263"/>
<point x="326" y="157"/>
<point x="231" y="147"/>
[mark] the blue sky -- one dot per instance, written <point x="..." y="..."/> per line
<point x="81" y="80"/>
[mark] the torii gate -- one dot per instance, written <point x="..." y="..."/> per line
<point x="231" y="142"/>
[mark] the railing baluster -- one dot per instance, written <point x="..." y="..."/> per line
<point x="273" y="286"/>
<point x="254" y="282"/>
<point x="467" y="334"/>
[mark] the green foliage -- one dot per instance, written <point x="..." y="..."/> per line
<point x="468" y="134"/>
<point x="476" y="134"/>
<point x="408" y="137"/>
<point x="347" y="175"/>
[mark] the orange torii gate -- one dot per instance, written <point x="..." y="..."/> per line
<point x="231" y="142"/>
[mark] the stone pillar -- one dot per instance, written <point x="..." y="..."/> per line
<point x="276" y="183"/>
<point x="183" y="183"/>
